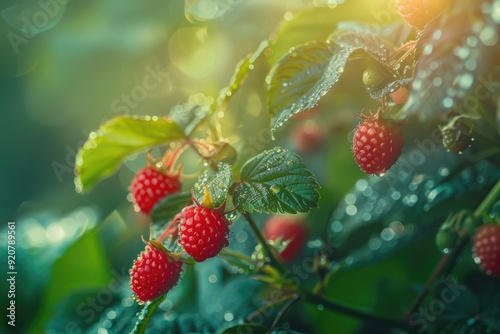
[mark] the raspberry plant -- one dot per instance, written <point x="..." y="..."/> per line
<point x="423" y="77"/>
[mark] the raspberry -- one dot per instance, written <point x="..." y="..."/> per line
<point x="307" y="137"/>
<point x="418" y="13"/>
<point x="288" y="229"/>
<point x="202" y="232"/>
<point x="150" y="185"/>
<point x="486" y="248"/>
<point x="400" y="96"/>
<point x="154" y="272"/>
<point x="377" y="145"/>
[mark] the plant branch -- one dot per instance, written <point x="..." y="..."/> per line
<point x="265" y="246"/>
<point x="488" y="201"/>
<point x="359" y="314"/>
<point x="447" y="263"/>
<point x="285" y="308"/>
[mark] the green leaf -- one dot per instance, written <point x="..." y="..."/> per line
<point x="192" y="114"/>
<point x="83" y="266"/>
<point x="246" y="328"/>
<point x="168" y="207"/>
<point x="240" y="74"/>
<point x="318" y="23"/>
<point x="276" y="181"/>
<point x="116" y="139"/>
<point x="217" y="182"/>
<point x="454" y="61"/>
<point x="303" y="76"/>
<point x="363" y="235"/>
<point x="146" y="314"/>
<point x="296" y="73"/>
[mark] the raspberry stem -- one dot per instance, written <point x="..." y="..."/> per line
<point x="318" y="299"/>
<point x="356" y="313"/>
<point x="265" y="246"/>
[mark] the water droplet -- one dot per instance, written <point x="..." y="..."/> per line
<point x="437" y="81"/>
<point x="232" y="215"/>
<point x="495" y="12"/>
<point x="488" y="36"/>
<point x="350" y="199"/>
<point x="447" y="102"/>
<point x="428" y="49"/>
<point x="351" y="210"/>
<point x="472" y="41"/>
<point x="374" y="244"/>
<point x="465" y="81"/>
<point x="381" y="174"/>
<point x="387" y="234"/>
<point x="336" y="226"/>
<point x="437" y="34"/>
<point x="321" y="307"/>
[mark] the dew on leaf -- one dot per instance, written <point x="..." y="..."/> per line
<point x="374" y="244"/>
<point x="228" y="316"/>
<point x="387" y="234"/>
<point x="437" y="81"/>
<point x="350" y="199"/>
<point x="495" y="12"/>
<point x="361" y="185"/>
<point x="428" y="49"/>
<point x="336" y="226"/>
<point x="488" y="36"/>
<point x="447" y="103"/>
<point x="397" y="227"/>
<point x="351" y="210"/>
<point x="472" y="41"/>
<point x="465" y="81"/>
<point x="437" y="34"/>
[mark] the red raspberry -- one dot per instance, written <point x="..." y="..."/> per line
<point x="308" y="137"/>
<point x="150" y="185"/>
<point x="154" y="272"/>
<point x="487" y="248"/>
<point x="418" y="13"/>
<point x="377" y="145"/>
<point x="289" y="229"/>
<point x="400" y="96"/>
<point x="202" y="232"/>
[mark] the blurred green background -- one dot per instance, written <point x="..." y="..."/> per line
<point x="68" y="66"/>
